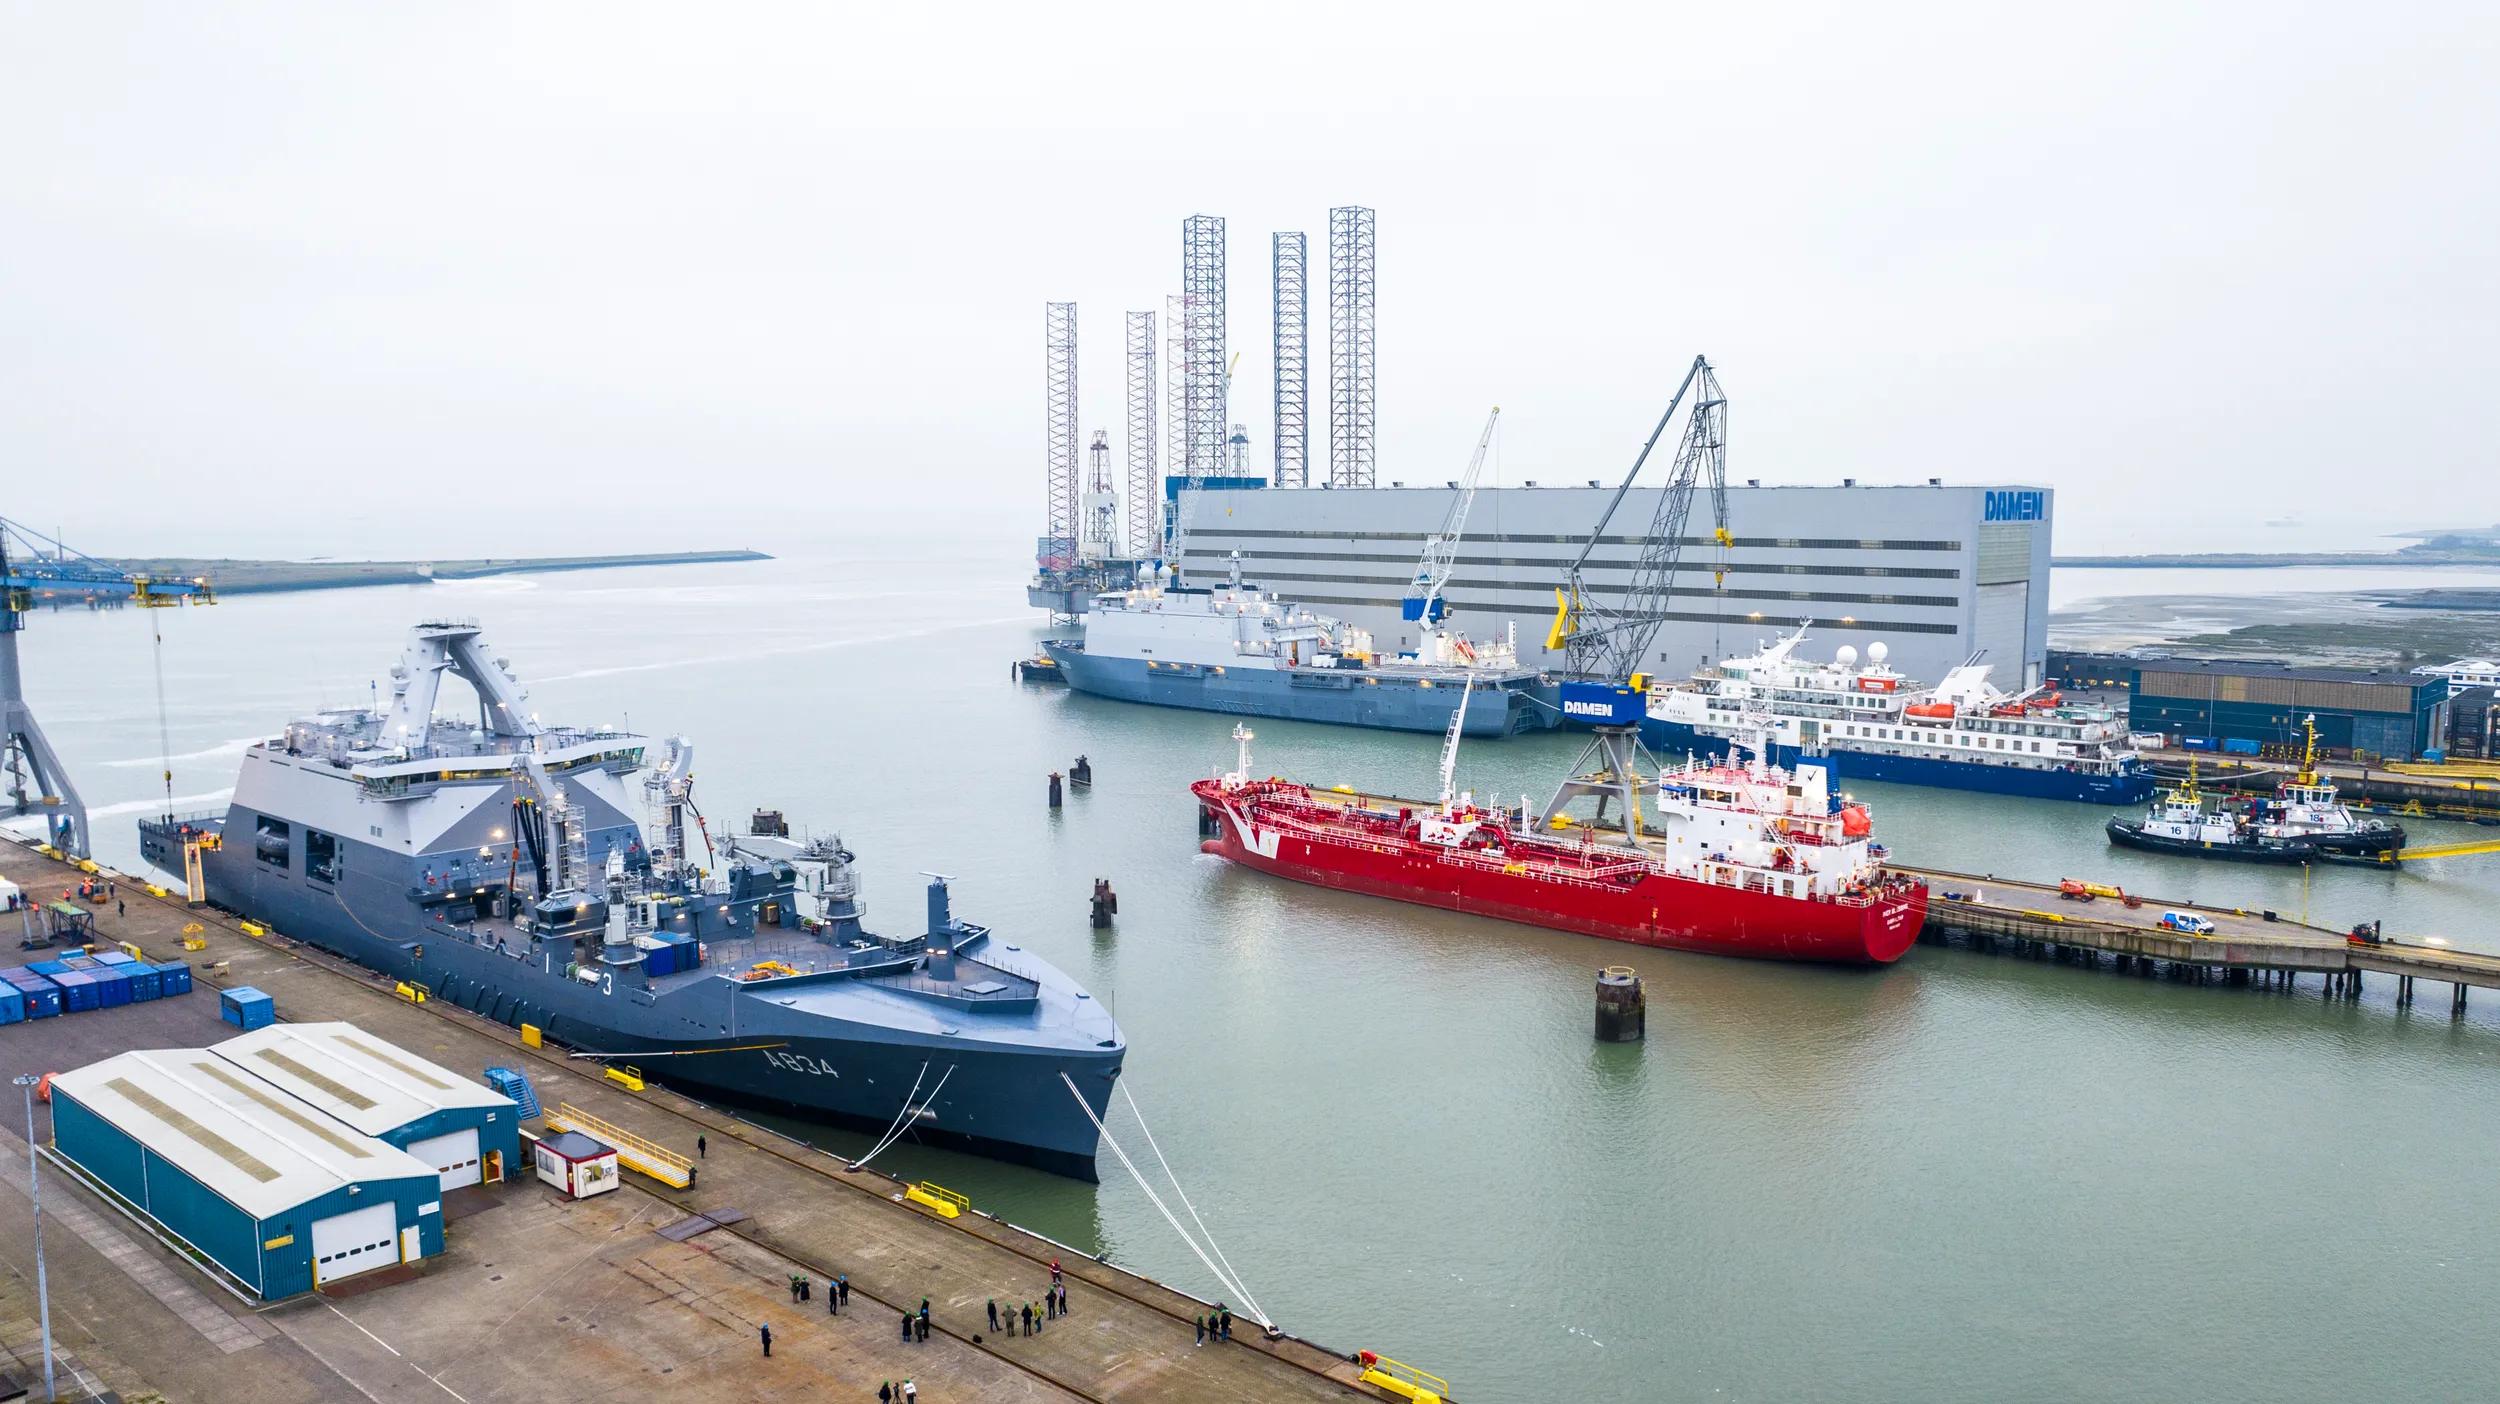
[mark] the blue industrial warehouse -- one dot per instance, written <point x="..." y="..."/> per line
<point x="466" y="1131"/>
<point x="2391" y="715"/>
<point x="293" y="1156"/>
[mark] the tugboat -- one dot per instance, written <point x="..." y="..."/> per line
<point x="1735" y="858"/>
<point x="2306" y="807"/>
<point x="501" y="864"/>
<point x="2180" y="823"/>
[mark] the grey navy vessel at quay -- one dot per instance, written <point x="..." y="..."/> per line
<point x="1239" y="649"/>
<point x="500" y="864"/>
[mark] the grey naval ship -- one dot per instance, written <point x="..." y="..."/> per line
<point x="1239" y="649"/>
<point x="500" y="864"/>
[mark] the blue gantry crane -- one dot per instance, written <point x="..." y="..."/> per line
<point x="36" y="569"/>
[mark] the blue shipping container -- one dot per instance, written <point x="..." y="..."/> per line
<point x="121" y="958"/>
<point x="144" y="984"/>
<point x="2196" y="743"/>
<point x="12" y="1005"/>
<point x="49" y="968"/>
<point x="77" y="992"/>
<point x="112" y="987"/>
<point x="173" y="978"/>
<point x="43" y="998"/>
<point x="2238" y="746"/>
<point x="247" y="1008"/>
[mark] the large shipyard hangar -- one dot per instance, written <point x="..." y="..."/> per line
<point x="1938" y="574"/>
<point x="279" y="1197"/>
<point x="468" y="1132"/>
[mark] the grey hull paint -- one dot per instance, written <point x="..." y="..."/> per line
<point x="1346" y="698"/>
<point x="1004" y="1098"/>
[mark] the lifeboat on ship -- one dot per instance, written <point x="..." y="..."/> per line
<point x="1931" y="712"/>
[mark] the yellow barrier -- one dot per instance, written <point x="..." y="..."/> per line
<point x="632" y="1151"/>
<point x="132" y="951"/>
<point x="530" y="1036"/>
<point x="158" y="890"/>
<point x="253" y="928"/>
<point x="414" y="994"/>
<point x="628" y="1078"/>
<point x="945" y="1203"/>
<point x="1405" y="1381"/>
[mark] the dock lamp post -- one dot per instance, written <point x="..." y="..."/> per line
<point x="34" y="1184"/>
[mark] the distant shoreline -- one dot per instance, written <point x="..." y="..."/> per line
<point x="2242" y="560"/>
<point x="232" y="577"/>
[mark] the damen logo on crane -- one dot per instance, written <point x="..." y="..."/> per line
<point x="2029" y="505"/>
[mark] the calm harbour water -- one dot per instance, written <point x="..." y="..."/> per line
<point x="1964" y="1177"/>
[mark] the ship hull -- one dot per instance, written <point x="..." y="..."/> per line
<point x="2129" y="834"/>
<point x="1001" y="1099"/>
<point x="2135" y="787"/>
<point x="1381" y="700"/>
<point x="1655" y="910"/>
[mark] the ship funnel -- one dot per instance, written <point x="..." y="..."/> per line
<point x="941" y="930"/>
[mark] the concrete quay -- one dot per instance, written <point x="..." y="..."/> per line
<point x="532" y="1289"/>
<point x="2033" y="918"/>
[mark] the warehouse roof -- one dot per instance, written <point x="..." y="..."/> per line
<point x="242" y="1138"/>
<point x="2230" y="667"/>
<point x="373" y="1086"/>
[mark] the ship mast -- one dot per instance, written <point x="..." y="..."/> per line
<point x="1449" y="746"/>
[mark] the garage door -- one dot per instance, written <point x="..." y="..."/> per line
<point x="454" y="1157"/>
<point x="346" y="1244"/>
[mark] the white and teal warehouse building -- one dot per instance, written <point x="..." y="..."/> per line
<point x="467" y="1132"/>
<point x="280" y="1197"/>
<point x="1939" y="574"/>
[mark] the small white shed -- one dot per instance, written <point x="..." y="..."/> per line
<point x="576" y="1164"/>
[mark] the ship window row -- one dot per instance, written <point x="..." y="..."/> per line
<point x="1982" y="743"/>
<point x="1788" y="543"/>
<point x="1802" y="596"/>
<point x="1749" y="620"/>
<point x="1557" y="563"/>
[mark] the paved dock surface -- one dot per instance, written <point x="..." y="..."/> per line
<point x="2242" y="940"/>
<point x="532" y="1289"/>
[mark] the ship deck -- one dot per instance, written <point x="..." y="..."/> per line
<point x="687" y="1309"/>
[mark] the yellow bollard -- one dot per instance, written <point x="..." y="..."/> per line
<point x="529" y="1036"/>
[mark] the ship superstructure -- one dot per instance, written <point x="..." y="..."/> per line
<point x="2307" y="806"/>
<point x="1236" y="648"/>
<point x="547" y="875"/>
<point x="1962" y="733"/>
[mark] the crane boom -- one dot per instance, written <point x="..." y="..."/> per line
<point x="26" y="755"/>
<point x="1424" y="604"/>
<point x="1612" y="642"/>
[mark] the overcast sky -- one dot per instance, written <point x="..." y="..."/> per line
<point x="444" y="279"/>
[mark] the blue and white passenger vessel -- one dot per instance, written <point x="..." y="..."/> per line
<point x="500" y="864"/>
<point x="1875" y="724"/>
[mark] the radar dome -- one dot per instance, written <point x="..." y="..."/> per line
<point x="1876" y="651"/>
<point x="1846" y="657"/>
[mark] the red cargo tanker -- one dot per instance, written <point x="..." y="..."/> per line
<point x="1739" y="859"/>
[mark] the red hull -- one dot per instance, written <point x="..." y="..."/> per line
<point x="1648" y="908"/>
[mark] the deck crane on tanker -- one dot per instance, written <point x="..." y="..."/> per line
<point x="44" y="570"/>
<point x="1425" y="605"/>
<point x="1605" y="646"/>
